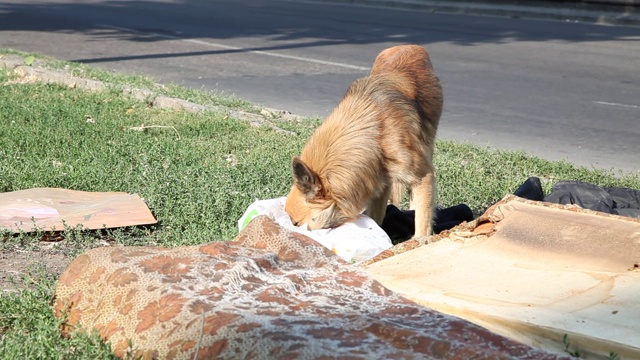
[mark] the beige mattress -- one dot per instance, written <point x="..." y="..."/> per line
<point x="533" y="272"/>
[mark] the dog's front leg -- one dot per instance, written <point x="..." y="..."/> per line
<point x="377" y="208"/>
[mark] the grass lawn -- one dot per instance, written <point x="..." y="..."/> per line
<point x="197" y="174"/>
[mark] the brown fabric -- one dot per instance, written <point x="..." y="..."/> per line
<point x="269" y="294"/>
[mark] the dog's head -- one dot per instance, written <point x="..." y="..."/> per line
<point x="310" y="201"/>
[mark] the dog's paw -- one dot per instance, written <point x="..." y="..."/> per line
<point x="423" y="240"/>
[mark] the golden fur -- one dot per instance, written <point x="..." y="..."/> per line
<point x="382" y="133"/>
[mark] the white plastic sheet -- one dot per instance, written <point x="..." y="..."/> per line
<point x="355" y="241"/>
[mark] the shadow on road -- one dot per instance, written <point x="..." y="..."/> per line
<point x="286" y="24"/>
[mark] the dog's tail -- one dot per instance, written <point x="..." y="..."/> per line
<point x="412" y="59"/>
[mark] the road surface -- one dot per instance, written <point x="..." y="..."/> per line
<point x="558" y="90"/>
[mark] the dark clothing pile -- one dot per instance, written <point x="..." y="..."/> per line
<point x="400" y="224"/>
<point x="610" y="200"/>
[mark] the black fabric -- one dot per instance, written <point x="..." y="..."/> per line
<point x="531" y="189"/>
<point x="585" y="195"/>
<point x="615" y="200"/>
<point x="627" y="201"/>
<point x="400" y="224"/>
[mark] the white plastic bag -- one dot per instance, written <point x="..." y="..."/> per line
<point x="355" y="241"/>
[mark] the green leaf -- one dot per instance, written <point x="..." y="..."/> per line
<point x="29" y="60"/>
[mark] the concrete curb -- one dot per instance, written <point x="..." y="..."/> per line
<point x="580" y="12"/>
<point x="34" y="73"/>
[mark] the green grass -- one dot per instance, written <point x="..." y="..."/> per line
<point x="196" y="184"/>
<point x="29" y="330"/>
<point x="198" y="174"/>
<point x="135" y="81"/>
<point x="479" y="177"/>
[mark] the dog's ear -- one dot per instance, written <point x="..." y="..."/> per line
<point x="305" y="179"/>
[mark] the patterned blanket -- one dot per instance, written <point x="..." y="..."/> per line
<point x="269" y="294"/>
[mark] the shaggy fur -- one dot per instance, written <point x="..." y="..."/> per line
<point x="380" y="136"/>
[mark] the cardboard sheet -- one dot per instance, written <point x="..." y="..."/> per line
<point x="51" y="209"/>
<point x="533" y="272"/>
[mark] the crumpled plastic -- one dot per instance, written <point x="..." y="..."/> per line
<point x="354" y="241"/>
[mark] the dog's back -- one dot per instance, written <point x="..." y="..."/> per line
<point x="420" y="83"/>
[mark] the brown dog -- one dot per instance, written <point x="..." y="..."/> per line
<point x="379" y="137"/>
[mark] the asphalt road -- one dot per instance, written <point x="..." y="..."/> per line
<point x="558" y="90"/>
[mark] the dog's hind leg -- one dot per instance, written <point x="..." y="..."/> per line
<point x="377" y="208"/>
<point x="423" y="200"/>
<point x="398" y="190"/>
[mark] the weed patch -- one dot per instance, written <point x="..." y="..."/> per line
<point x="197" y="173"/>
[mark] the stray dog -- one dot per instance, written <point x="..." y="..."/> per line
<point x="378" y="140"/>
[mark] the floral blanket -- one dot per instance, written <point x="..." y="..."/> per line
<point x="268" y="294"/>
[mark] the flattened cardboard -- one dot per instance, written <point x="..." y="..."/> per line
<point x="51" y="209"/>
<point x="541" y="272"/>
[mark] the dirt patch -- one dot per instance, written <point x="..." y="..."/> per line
<point x="17" y="264"/>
